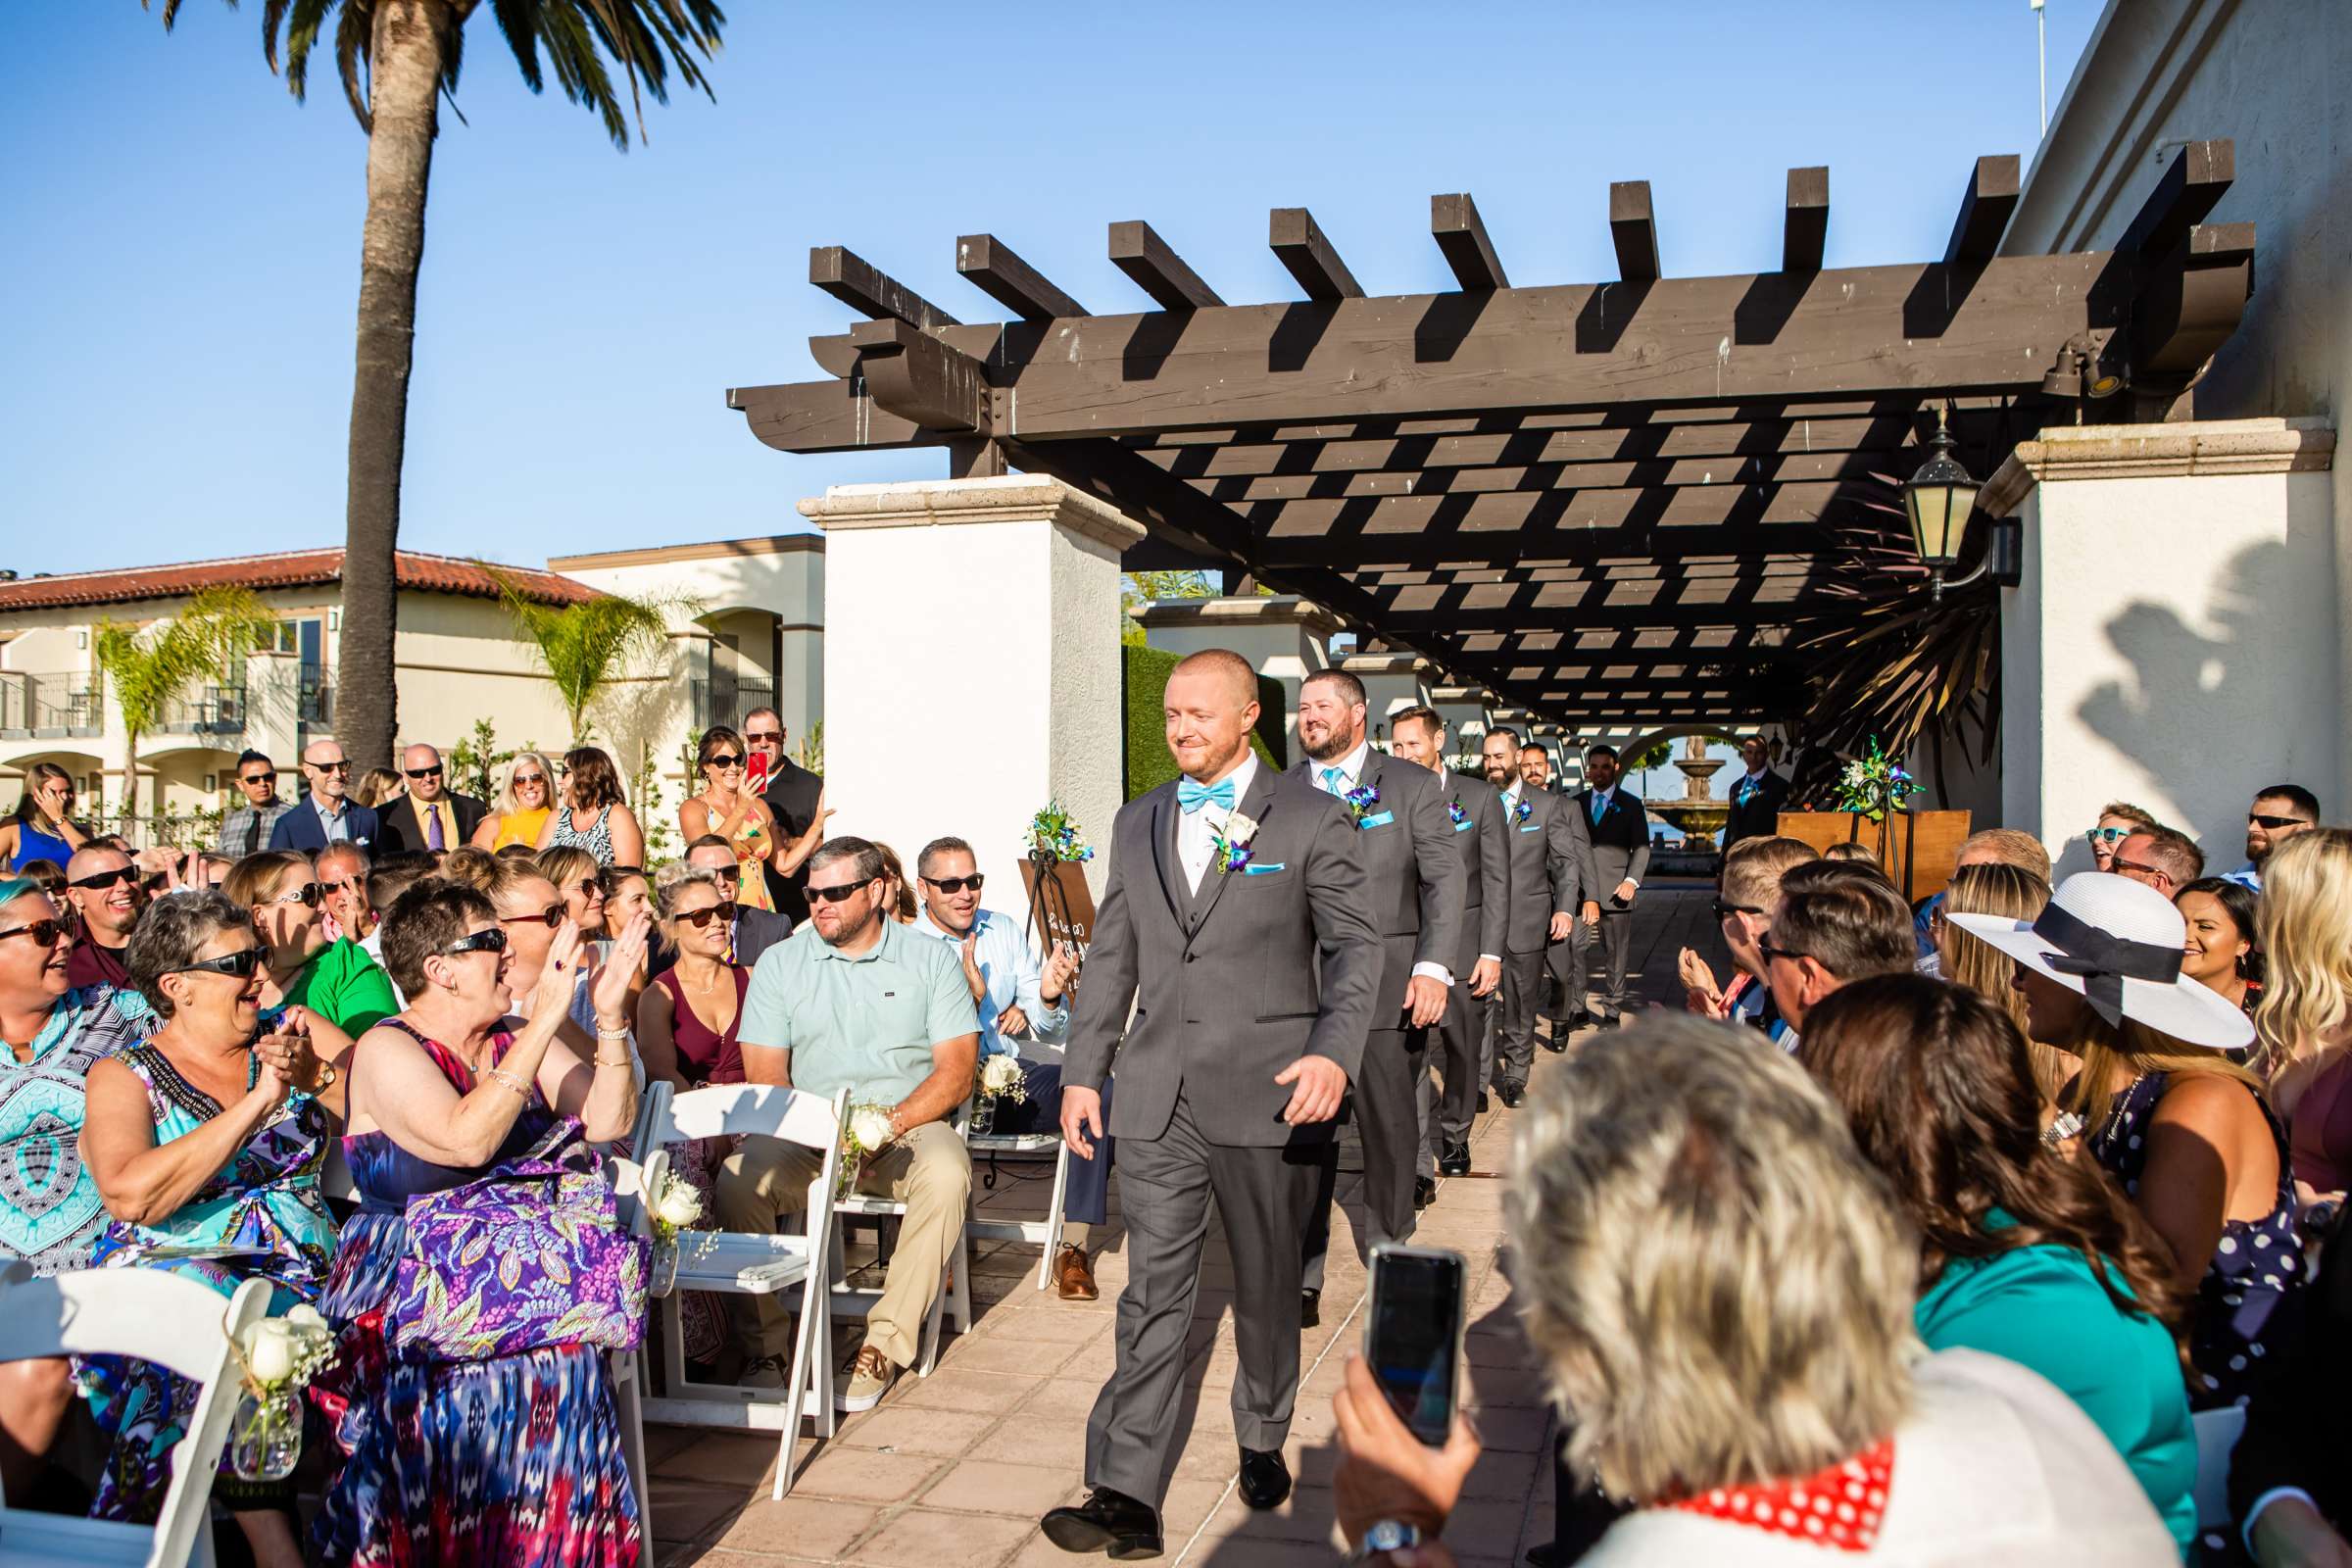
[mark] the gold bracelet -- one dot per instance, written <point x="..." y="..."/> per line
<point x="613" y="1062"/>
<point x="511" y="1080"/>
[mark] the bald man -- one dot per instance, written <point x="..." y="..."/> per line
<point x="107" y="892"/>
<point x="429" y="815"/>
<point x="324" y="815"/>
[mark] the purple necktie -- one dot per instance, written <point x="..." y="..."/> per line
<point x="432" y="828"/>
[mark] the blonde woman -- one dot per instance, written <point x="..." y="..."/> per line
<point x="523" y="805"/>
<point x="2304" y="923"/>
<point x="2013" y="893"/>
<point x="378" y="788"/>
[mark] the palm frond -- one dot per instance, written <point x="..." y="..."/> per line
<point x="147" y="669"/>
<point x="585" y="647"/>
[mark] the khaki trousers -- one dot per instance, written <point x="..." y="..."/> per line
<point x="929" y="1170"/>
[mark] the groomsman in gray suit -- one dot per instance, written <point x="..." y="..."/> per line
<point x="1615" y="821"/>
<point x="1236" y="921"/>
<point x="1551" y="864"/>
<point x="1418" y="890"/>
<point x="1474" y="820"/>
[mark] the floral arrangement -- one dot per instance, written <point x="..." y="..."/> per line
<point x="277" y="1358"/>
<point x="1235" y="842"/>
<point x="1000" y="1079"/>
<point x="676" y="1208"/>
<point x="864" y="1133"/>
<point x="1521" y="812"/>
<point x="1455" y="815"/>
<point x="1874" y="785"/>
<point x="1361" y="801"/>
<point x="1052" y="836"/>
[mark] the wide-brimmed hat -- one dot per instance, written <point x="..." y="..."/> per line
<point x="2119" y="943"/>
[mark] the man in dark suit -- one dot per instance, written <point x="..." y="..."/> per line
<point x="755" y="930"/>
<point x="1756" y="797"/>
<point x="1551" y="871"/>
<point x="430" y="817"/>
<point x="1557" y="995"/>
<point x="1474" y="820"/>
<point x="797" y="797"/>
<point x="1418" y="888"/>
<point x="324" y="817"/>
<point x="1619" y="830"/>
<point x="1236" y="923"/>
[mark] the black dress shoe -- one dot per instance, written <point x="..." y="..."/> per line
<point x="1482" y="1103"/>
<point x="1454" y="1161"/>
<point x="1425" y="1192"/>
<point x="1266" y="1479"/>
<point x="1557" y="1040"/>
<point x="1310" y="1313"/>
<point x="1107" y="1521"/>
<point x="1511" y="1094"/>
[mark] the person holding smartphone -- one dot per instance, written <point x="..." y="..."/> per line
<point x="796" y="806"/>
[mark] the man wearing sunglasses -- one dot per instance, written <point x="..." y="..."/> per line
<point x="1024" y="1015"/>
<point x="796" y="796"/>
<point x="325" y="816"/>
<point x="105" y="890"/>
<point x="2279" y="814"/>
<point x="749" y="933"/>
<point x="247" y="829"/>
<point x="429" y="817"/>
<point x="2160" y="857"/>
<point x="1827" y="933"/>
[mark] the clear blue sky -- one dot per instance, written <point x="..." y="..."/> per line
<point x="179" y="258"/>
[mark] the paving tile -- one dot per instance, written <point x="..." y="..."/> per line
<point x="945" y="1433"/>
<point x="1523" y="1429"/>
<point x="864" y="1474"/>
<point x="687" y="1512"/>
<point x="1058" y="1323"/>
<point x="1306" y="1517"/>
<point x="1502" y="1474"/>
<point x="721" y="1458"/>
<point x="1062" y="1396"/>
<point x="922" y="1537"/>
<point x="960" y="1387"/>
<point x="804" y="1527"/>
<point x="996" y="1352"/>
<point x="1056" y="1443"/>
<point x="987" y="1486"/>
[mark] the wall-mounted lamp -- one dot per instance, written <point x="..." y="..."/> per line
<point x="1938" y="500"/>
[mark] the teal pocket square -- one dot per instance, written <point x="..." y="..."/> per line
<point x="1382" y="820"/>
<point x="1461" y="827"/>
<point x="1255" y="870"/>
<point x="1533" y="827"/>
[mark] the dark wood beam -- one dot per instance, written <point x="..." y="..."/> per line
<point x="917" y="378"/>
<point x="1158" y="271"/>
<point x="1860" y="467"/>
<point x="1463" y="237"/>
<point x="1985" y="209"/>
<point x="1804" y="231"/>
<point x="1506" y="547"/>
<point x="2198" y="176"/>
<point x="1633" y="230"/>
<point x="2191" y="302"/>
<point x="1298" y="244"/>
<point x="824" y="417"/>
<point x="1004" y="276"/>
<point x="869" y="290"/>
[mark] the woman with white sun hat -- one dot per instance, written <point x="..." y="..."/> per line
<point x="2165" y="1108"/>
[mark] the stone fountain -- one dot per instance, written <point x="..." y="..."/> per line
<point x="1697" y="813"/>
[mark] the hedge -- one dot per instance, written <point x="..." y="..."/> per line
<point x="1145" y="679"/>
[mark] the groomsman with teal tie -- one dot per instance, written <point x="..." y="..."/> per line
<point x="1619" y="830"/>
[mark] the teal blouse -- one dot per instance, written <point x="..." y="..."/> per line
<point x="2042" y="1307"/>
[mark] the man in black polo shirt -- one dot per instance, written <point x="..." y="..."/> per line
<point x="797" y="797"/>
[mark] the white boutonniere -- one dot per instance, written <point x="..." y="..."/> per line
<point x="1235" y="842"/>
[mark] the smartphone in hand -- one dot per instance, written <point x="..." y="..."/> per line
<point x="1413" y="1334"/>
<point x="755" y="773"/>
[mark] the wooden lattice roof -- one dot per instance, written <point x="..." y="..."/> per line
<point x="1618" y="501"/>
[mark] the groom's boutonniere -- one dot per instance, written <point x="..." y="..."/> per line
<point x="1361" y="801"/>
<point x="1455" y="815"/>
<point x="1235" y="842"/>
<point x="1521" y="812"/>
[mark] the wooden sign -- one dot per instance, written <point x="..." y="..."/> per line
<point x="1917" y="850"/>
<point x="1062" y="909"/>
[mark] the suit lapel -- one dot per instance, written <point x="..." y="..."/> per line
<point x="1253" y="806"/>
<point x="1164" y="856"/>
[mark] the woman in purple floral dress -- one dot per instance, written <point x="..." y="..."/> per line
<point x="513" y="1460"/>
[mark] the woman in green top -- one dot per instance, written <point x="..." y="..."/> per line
<point x="335" y="981"/>
<point x="2024" y="1254"/>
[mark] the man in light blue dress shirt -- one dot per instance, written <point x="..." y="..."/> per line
<point x="1024" y="1008"/>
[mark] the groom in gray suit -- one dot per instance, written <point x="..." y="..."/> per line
<point x="1235" y="920"/>
<point x="1551" y="869"/>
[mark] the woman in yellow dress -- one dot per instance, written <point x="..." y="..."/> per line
<point x="733" y="812"/>
<point x="522" y="808"/>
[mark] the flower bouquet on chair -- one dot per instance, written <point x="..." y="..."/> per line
<point x="671" y="1206"/>
<point x="1000" y="1079"/>
<point x="864" y="1133"/>
<point x="277" y="1358"/>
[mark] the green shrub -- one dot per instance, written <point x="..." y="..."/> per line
<point x="1149" y="764"/>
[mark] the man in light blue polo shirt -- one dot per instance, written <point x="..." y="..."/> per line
<point x="857" y="1001"/>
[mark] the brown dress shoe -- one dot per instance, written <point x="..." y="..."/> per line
<point x="1074" y="1275"/>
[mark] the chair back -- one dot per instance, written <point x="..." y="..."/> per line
<point x="770" y="1109"/>
<point x="2218" y="1432"/>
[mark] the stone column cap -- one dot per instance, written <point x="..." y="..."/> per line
<point x="1005" y="498"/>
<point x="1278" y="610"/>
<point x="1398" y="663"/>
<point x="1460" y="694"/>
<point x="2193" y="447"/>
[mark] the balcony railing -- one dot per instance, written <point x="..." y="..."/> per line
<point x="725" y="700"/>
<point x="206" y="710"/>
<point x="50" y="706"/>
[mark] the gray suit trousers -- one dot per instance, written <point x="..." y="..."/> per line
<point x="1614" y="942"/>
<point x="1388" y="1121"/>
<point x="1460" y="1056"/>
<point x="1525" y="981"/>
<point x="1262" y="1194"/>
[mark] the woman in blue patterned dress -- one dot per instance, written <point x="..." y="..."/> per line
<point x="513" y="1460"/>
<point x="50" y="1215"/>
<point x="206" y="1141"/>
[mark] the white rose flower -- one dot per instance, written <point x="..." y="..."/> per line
<point x="1240" y="828"/>
<point x="680" y="1205"/>
<point x="870" y="1127"/>
<point x="303" y="1315"/>
<point x="1001" y="1073"/>
<point x="270" y="1351"/>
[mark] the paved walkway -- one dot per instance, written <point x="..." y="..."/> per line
<point x="955" y="1468"/>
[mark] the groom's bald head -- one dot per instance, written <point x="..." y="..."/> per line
<point x="1224" y="665"/>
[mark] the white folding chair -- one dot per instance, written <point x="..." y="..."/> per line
<point x="152" y="1316"/>
<point x="1047" y="1232"/>
<point x="953" y="1305"/>
<point x="747" y="1263"/>
<point x="2218" y="1432"/>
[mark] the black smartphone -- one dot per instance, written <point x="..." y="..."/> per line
<point x="1413" y="1334"/>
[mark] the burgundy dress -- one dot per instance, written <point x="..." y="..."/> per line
<point x="705" y="1057"/>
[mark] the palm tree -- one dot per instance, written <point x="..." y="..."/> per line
<point x="146" y="669"/>
<point x="585" y="647"/>
<point x="397" y="58"/>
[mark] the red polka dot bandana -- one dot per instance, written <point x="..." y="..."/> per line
<point x="1840" y="1508"/>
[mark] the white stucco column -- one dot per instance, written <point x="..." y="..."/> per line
<point x="973" y="667"/>
<point x="2177" y="638"/>
<point x="1285" y="638"/>
<point x="1393" y="682"/>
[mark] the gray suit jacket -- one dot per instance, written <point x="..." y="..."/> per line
<point x="1417" y="886"/>
<point x="1486" y="864"/>
<point x="1551" y="866"/>
<point x="1232" y="983"/>
<point x="1612" y="863"/>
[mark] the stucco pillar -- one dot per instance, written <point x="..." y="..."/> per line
<point x="972" y="666"/>
<point x="1284" y="637"/>
<point x="1393" y="683"/>
<point x="2176" y="639"/>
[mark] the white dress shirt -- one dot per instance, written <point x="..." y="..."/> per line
<point x="1196" y="844"/>
<point x="1352" y="773"/>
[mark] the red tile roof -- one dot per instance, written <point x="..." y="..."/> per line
<point x="294" y="569"/>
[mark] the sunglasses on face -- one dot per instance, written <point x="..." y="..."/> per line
<point x="423" y="772"/>
<point x="1723" y="911"/>
<point x="250" y="780"/>
<point x="592" y="887"/>
<point x="2123" y="868"/>
<point x="551" y="917"/>
<point x="238" y="966"/>
<point x="835" y="895"/>
<point x="1770" y="952"/>
<point x="346" y="886"/>
<point x="97" y="881"/>
<point x="954" y="884"/>
<point x="698" y="918"/>
<point x="44" y="933"/>
<point x="2110" y="836"/>
<point x="491" y="941"/>
<point x="764" y="737"/>
<point x="530" y="778"/>
<point x="309" y="894"/>
<point x="328" y="767"/>
<point x="726" y="760"/>
<point x="2257" y="819"/>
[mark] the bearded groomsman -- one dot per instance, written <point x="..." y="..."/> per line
<point x="1473" y="817"/>
<point x="1618" y="858"/>
<point x="1236" y="923"/>
<point x="1551" y="866"/>
<point x="1417" y="895"/>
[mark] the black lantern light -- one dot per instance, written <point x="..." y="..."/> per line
<point x="1940" y="500"/>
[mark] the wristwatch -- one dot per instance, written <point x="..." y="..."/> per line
<point x="1385" y="1535"/>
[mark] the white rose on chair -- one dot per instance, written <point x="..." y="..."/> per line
<point x="679" y="1204"/>
<point x="1000" y="1079"/>
<point x="277" y="1357"/>
<point x="870" y="1128"/>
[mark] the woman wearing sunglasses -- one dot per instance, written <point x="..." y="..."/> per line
<point x="523" y="805"/>
<point x="728" y="809"/>
<point x="334" y="981"/>
<point x="206" y="1141"/>
<point x="55" y="1034"/>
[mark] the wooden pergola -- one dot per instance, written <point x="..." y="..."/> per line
<point x="1617" y="502"/>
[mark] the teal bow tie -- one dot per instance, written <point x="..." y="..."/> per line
<point x="1193" y="795"/>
